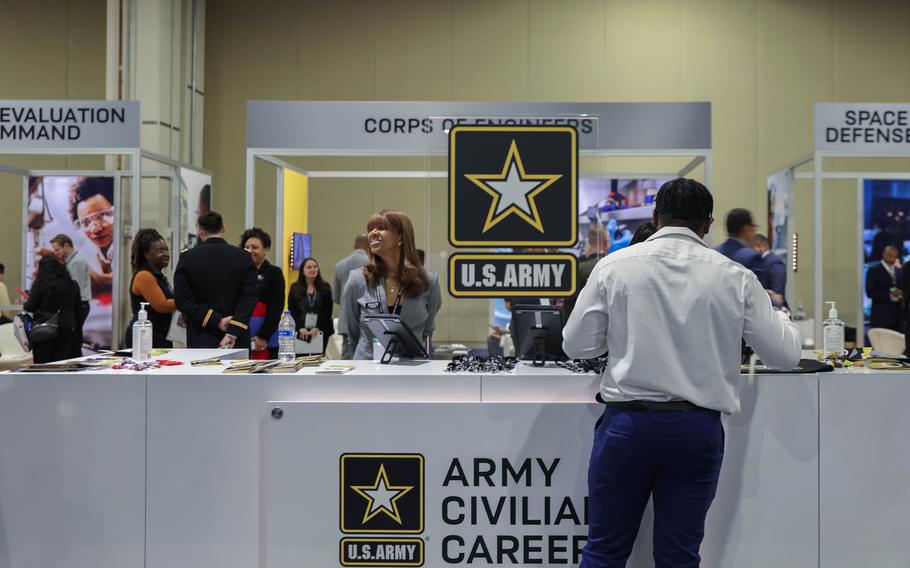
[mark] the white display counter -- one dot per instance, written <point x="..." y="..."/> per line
<point x="168" y="467"/>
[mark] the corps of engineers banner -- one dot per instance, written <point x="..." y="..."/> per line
<point x="356" y="484"/>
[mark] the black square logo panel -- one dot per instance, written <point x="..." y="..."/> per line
<point x="513" y="186"/>
<point x="382" y="493"/>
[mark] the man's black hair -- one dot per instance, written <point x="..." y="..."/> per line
<point x="684" y="202"/>
<point x="2" y="268"/>
<point x="737" y="220"/>
<point x="760" y="239"/>
<point x="211" y="223"/>
<point x="256" y="233"/>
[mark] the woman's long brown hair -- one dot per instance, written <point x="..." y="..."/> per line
<point x="413" y="280"/>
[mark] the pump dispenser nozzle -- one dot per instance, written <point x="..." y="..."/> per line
<point x="143" y="315"/>
<point x="832" y="313"/>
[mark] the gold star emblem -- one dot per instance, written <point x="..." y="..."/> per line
<point x="513" y="191"/>
<point x="382" y="497"/>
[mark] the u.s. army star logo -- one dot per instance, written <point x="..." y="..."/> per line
<point x="382" y="493"/>
<point x="382" y="497"/>
<point x="513" y="186"/>
<point x="513" y="191"/>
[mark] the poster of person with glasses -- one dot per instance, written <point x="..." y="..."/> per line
<point x="83" y="209"/>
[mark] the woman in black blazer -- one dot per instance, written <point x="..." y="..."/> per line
<point x="310" y="303"/>
<point x="54" y="292"/>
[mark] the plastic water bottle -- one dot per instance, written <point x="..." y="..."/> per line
<point x="286" y="338"/>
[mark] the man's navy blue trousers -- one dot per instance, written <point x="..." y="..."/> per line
<point x="672" y="456"/>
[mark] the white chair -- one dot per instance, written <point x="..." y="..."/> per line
<point x="11" y="353"/>
<point x="887" y="341"/>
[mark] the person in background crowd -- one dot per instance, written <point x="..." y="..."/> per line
<point x="671" y="311"/>
<point x="5" y="316"/>
<point x="738" y="246"/>
<point x="357" y="259"/>
<point x="215" y="286"/>
<point x="92" y="210"/>
<point x="53" y="293"/>
<point x="149" y="256"/>
<point x="310" y="304"/>
<point x="79" y="270"/>
<point x="643" y="233"/>
<point x="775" y="269"/>
<point x="883" y="286"/>
<point x="882" y="239"/>
<point x="270" y="302"/>
<point x="392" y="282"/>
<point x="596" y="248"/>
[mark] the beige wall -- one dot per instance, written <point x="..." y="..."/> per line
<point x="49" y="49"/>
<point x="762" y="64"/>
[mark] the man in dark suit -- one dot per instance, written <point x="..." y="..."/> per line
<point x="596" y="248"/>
<point x="215" y="286"/>
<point x="738" y="246"/>
<point x="775" y="269"/>
<point x="883" y="282"/>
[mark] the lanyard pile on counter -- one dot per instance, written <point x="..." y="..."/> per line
<point x="481" y="364"/>
<point x="499" y="364"/>
<point x="596" y="366"/>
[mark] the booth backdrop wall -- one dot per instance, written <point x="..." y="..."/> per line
<point x="761" y="64"/>
<point x="52" y="49"/>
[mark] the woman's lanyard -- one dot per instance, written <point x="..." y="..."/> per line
<point x="311" y="301"/>
<point x="396" y="309"/>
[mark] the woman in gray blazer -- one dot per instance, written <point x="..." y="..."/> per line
<point x="392" y="282"/>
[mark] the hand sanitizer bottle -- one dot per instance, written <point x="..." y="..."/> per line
<point x="833" y="333"/>
<point x="142" y="335"/>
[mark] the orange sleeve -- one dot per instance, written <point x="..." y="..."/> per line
<point x="145" y="285"/>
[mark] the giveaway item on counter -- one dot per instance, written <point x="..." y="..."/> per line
<point x="597" y="365"/>
<point x="804" y="366"/>
<point x="68" y="367"/>
<point x="477" y="364"/>
<point x="335" y="369"/>
<point x="216" y="360"/>
<point x="273" y="365"/>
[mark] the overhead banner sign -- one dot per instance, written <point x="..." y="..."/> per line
<point x="379" y="492"/>
<point x="421" y="128"/>
<point x="513" y="186"/>
<point x="37" y="125"/>
<point x="871" y="128"/>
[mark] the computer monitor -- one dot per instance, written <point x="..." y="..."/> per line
<point x="395" y="336"/>
<point x="537" y="333"/>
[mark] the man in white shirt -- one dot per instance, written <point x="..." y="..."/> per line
<point x="672" y="312"/>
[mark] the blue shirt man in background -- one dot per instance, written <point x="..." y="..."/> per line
<point x="738" y="246"/>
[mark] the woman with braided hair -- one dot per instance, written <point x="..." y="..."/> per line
<point x="149" y="257"/>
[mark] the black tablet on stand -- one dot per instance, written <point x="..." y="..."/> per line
<point x="395" y="336"/>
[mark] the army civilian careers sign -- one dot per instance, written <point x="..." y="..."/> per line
<point x="513" y="187"/>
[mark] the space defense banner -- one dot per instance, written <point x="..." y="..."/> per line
<point x="475" y="484"/>
<point x="41" y="125"/>
<point x="873" y="128"/>
<point x="83" y="209"/>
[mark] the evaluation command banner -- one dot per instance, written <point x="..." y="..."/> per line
<point x="443" y="484"/>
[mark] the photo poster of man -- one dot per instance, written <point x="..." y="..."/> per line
<point x="780" y="200"/>
<point x="195" y="199"/>
<point x="886" y="208"/>
<point x="81" y="208"/>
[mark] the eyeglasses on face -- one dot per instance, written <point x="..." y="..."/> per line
<point x="103" y="217"/>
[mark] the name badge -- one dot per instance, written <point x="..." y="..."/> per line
<point x="373" y="305"/>
<point x="310" y="320"/>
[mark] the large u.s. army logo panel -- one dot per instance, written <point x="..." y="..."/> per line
<point x="513" y="186"/>
<point x="382" y="493"/>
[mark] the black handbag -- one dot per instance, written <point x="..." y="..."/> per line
<point x="44" y="331"/>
